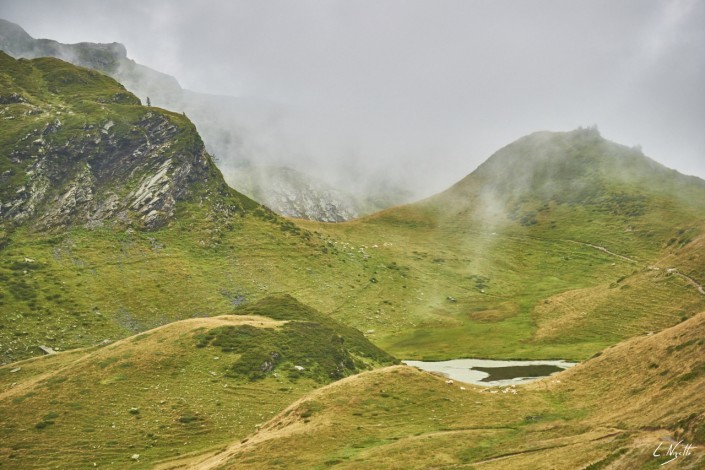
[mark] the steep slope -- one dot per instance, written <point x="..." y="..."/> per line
<point x="293" y="194"/>
<point x="233" y="129"/>
<point x="172" y="390"/>
<point x="62" y="121"/>
<point x="610" y="412"/>
<point x="113" y="215"/>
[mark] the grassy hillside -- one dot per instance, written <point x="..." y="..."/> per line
<point x="119" y="235"/>
<point x="600" y="414"/>
<point x="505" y="264"/>
<point x="114" y="220"/>
<point x="183" y="387"/>
<point x="560" y="231"/>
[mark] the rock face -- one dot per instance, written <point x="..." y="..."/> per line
<point x="81" y="150"/>
<point x="230" y="127"/>
<point x="295" y="194"/>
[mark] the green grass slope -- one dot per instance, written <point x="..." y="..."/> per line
<point x="116" y="224"/>
<point x="480" y="269"/>
<point x="114" y="220"/>
<point x="531" y="262"/>
<point x="183" y="387"/>
<point x="610" y="412"/>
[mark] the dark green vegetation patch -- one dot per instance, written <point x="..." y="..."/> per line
<point x="309" y="345"/>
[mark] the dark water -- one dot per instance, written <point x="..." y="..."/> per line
<point x="476" y="371"/>
<point x="513" y="372"/>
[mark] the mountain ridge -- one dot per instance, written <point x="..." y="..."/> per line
<point x="544" y="161"/>
<point x="223" y="122"/>
<point x="108" y="58"/>
<point x="218" y="333"/>
<point x="64" y="121"/>
<point x="581" y="278"/>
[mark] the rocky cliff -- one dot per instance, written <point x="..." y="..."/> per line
<point x="230" y="126"/>
<point x="77" y="148"/>
<point x="295" y="194"/>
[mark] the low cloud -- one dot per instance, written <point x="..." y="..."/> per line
<point x="420" y="92"/>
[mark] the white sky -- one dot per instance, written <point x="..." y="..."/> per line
<point x="428" y="89"/>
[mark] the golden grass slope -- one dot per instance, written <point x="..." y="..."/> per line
<point x="612" y="411"/>
<point x="154" y="395"/>
<point x="609" y="312"/>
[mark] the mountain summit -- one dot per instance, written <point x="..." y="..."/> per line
<point x="548" y="170"/>
<point x="579" y="166"/>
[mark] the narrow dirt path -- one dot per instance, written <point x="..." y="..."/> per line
<point x="675" y="271"/>
<point x="605" y="250"/>
<point x="692" y="281"/>
<point x="578" y="441"/>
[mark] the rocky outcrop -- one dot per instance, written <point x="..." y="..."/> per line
<point x="90" y="191"/>
<point x="85" y="162"/>
<point x="294" y="194"/>
<point x="228" y="125"/>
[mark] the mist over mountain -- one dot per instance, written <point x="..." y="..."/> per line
<point x="576" y="167"/>
<point x="418" y="92"/>
<point x="151" y="316"/>
<point x="235" y="130"/>
<point x="108" y="58"/>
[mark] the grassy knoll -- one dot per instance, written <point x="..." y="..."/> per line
<point x="183" y="387"/>
<point x="596" y="414"/>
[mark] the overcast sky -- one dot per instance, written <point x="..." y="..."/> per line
<point x="435" y="86"/>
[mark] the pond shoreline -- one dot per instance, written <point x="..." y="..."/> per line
<point x="464" y="370"/>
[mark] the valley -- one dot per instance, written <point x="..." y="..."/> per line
<point x="196" y="328"/>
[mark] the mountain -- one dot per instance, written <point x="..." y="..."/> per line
<point x="294" y="194"/>
<point x="115" y="220"/>
<point x="503" y="259"/>
<point x="79" y="152"/>
<point x="186" y="325"/>
<point x="562" y="242"/>
<point x="110" y="59"/>
<point x="234" y="130"/>
<point x="62" y="121"/>
<point x="570" y="168"/>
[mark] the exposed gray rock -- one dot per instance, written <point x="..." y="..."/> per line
<point x="294" y="194"/>
<point x="226" y="124"/>
<point x="81" y="179"/>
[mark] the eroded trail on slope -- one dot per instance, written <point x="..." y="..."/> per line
<point x="675" y="271"/>
<point x="605" y="250"/>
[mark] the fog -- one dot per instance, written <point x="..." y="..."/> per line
<point x="415" y="93"/>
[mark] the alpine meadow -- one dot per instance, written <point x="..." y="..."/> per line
<point x="152" y="315"/>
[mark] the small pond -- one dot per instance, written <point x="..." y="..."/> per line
<point x="490" y="372"/>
